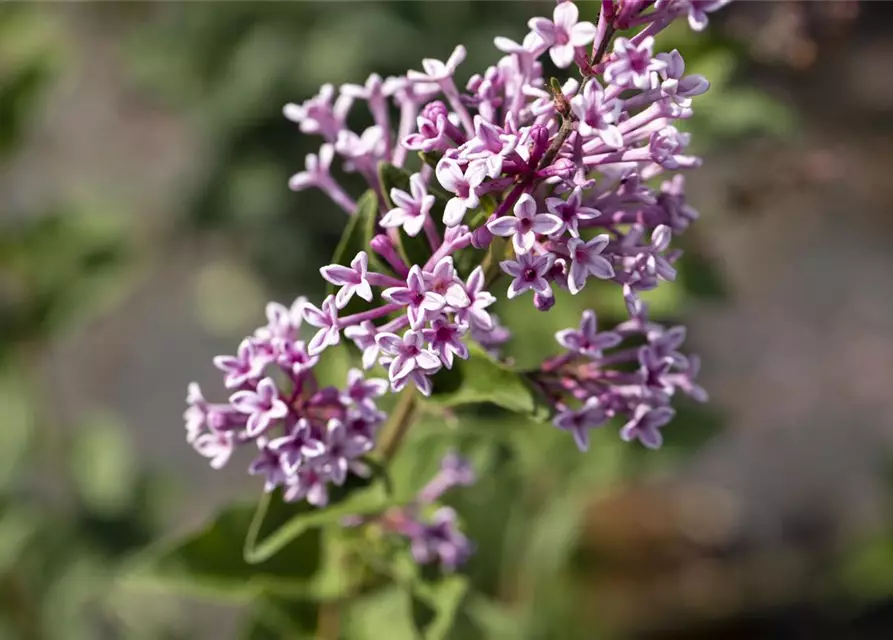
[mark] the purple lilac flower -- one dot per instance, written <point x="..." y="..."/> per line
<point x="586" y="260"/>
<point x="293" y="355"/>
<point x="633" y="64"/>
<point x="352" y="280"/>
<point x="563" y="33"/>
<point x="216" y="446"/>
<point x="475" y="312"/>
<point x="406" y="354"/>
<point x="363" y="336"/>
<point x="666" y="147"/>
<point x="587" y="340"/>
<point x="282" y="321"/>
<point x="571" y="212"/>
<point x="300" y="443"/>
<point x="435" y="70"/>
<point x="262" y="406"/>
<point x="195" y="415"/>
<point x="440" y="541"/>
<point x="524" y="226"/>
<point x="609" y="386"/>
<point x="580" y="421"/>
<point x="342" y="450"/>
<point x="362" y="391"/>
<point x="269" y="465"/>
<point x="696" y="10"/>
<point x="306" y="436"/>
<point x="316" y="171"/>
<point x="419" y="301"/>
<point x="445" y="339"/>
<point x="411" y="209"/>
<point x="529" y="272"/>
<point x="443" y="281"/>
<point x="309" y="483"/>
<point x="455" y="471"/>
<point x="318" y="115"/>
<point x="677" y="87"/>
<point x="461" y="183"/>
<point x="493" y="337"/>
<point x="598" y="115"/>
<point x="326" y="320"/>
<point x="645" y="425"/>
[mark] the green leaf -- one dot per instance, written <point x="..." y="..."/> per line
<point x="436" y="604"/>
<point x="483" y="379"/>
<point x="257" y="628"/>
<point x="17" y="404"/>
<point x="431" y="159"/>
<point x="380" y="614"/>
<point x="270" y="536"/>
<point x="434" y="597"/>
<point x="210" y="562"/>
<point x="18" y="526"/>
<point x="275" y="617"/>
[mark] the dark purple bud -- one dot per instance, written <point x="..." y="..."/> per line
<point x="543" y="303"/>
<point x="481" y="237"/>
<point x="539" y="142"/>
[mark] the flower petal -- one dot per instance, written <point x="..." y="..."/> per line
<point x="562" y="55"/>
<point x="582" y="34"/>
<point x="547" y="224"/>
<point x="504" y="226"/>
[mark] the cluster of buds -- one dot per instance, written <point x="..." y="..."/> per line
<point x="432" y="531"/>
<point x="547" y="183"/>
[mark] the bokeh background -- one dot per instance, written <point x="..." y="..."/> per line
<point x="145" y="220"/>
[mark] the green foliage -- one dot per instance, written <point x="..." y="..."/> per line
<point x="268" y="534"/>
<point x="435" y="605"/>
<point x="482" y="379"/>
<point x="274" y="617"/>
<point x="55" y="265"/>
<point x="210" y="562"/>
<point x="29" y="49"/>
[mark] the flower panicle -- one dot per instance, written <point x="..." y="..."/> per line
<point x="552" y="181"/>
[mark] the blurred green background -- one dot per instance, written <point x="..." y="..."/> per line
<point x="145" y="220"/>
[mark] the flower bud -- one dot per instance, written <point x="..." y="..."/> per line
<point x="543" y="303"/>
<point x="481" y="237"/>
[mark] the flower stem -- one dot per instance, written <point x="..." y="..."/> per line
<point x="398" y="427"/>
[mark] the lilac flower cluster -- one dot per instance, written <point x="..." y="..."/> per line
<point x="435" y="538"/>
<point x="546" y="183"/>
<point x="306" y="436"/>
<point x="607" y="381"/>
